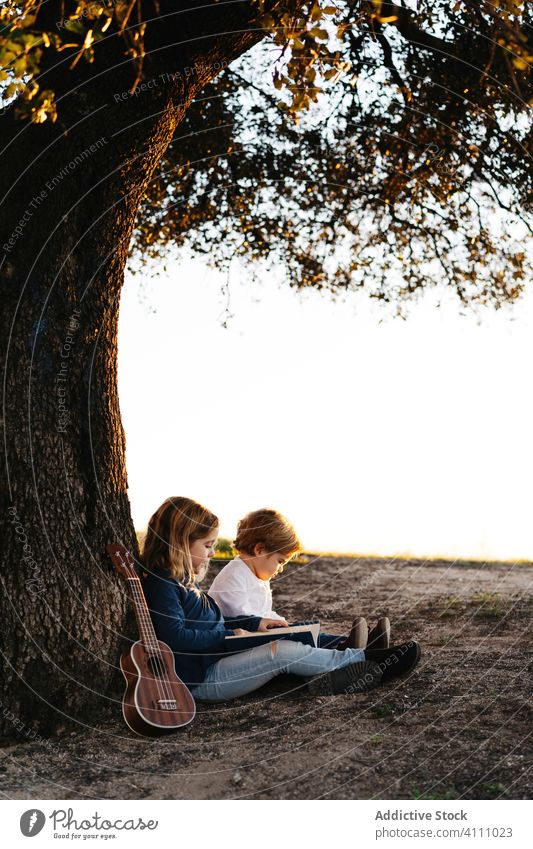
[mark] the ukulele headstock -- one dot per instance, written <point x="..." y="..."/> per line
<point x="122" y="560"/>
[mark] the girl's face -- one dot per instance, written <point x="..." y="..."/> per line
<point x="202" y="550"/>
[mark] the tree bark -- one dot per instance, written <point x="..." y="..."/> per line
<point x="69" y="196"/>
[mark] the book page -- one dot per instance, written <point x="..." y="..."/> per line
<point x="314" y="628"/>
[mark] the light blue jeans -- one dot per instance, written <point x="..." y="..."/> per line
<point x="243" y="672"/>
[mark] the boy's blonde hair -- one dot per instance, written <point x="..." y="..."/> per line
<point x="271" y="529"/>
<point x="178" y="522"/>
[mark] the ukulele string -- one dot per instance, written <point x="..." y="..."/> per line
<point x="145" y="636"/>
<point x="150" y="642"/>
<point x="146" y="625"/>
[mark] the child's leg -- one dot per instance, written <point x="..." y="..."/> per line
<point x="244" y="672"/>
<point x="330" y="641"/>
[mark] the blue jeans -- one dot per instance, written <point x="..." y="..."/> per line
<point x="329" y="641"/>
<point x="245" y="671"/>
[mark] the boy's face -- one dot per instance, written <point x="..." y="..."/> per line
<point x="267" y="564"/>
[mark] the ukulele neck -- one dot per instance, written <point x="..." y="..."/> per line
<point x="142" y="614"/>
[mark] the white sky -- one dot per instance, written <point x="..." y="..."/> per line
<point x="375" y="437"/>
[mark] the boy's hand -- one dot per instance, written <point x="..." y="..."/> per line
<point x="240" y="632"/>
<point x="265" y="624"/>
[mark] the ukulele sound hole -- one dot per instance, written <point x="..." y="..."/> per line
<point x="157" y="666"/>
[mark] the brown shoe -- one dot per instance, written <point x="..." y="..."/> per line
<point x="379" y="637"/>
<point x="358" y="636"/>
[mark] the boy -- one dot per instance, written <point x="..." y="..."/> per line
<point x="266" y="542"/>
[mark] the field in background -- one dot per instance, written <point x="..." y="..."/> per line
<point x="225" y="552"/>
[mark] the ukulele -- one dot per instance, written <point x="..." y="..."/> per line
<point x="156" y="701"/>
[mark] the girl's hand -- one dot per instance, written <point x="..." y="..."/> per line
<point x="266" y="624"/>
<point x="240" y="632"/>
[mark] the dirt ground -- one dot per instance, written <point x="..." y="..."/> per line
<point x="459" y="728"/>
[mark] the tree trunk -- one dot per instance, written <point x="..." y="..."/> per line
<point x="69" y="194"/>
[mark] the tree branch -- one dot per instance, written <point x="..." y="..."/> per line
<point x="409" y="29"/>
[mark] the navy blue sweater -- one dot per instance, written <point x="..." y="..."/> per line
<point x="191" y="623"/>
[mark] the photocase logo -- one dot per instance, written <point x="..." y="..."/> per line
<point x="31" y="822"/>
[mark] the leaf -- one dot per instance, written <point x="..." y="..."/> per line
<point x="75" y="26"/>
<point x="318" y="33"/>
<point x="30" y="39"/>
<point x="20" y="66"/>
<point x="11" y="90"/>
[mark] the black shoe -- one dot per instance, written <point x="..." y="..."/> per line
<point x="398" y="660"/>
<point x="349" y="680"/>
<point x="379" y="637"/>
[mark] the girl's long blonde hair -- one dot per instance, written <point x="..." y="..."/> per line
<point x="173" y="527"/>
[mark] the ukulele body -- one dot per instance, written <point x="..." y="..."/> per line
<point x="155" y="702"/>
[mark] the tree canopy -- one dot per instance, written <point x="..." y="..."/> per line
<point x="376" y="145"/>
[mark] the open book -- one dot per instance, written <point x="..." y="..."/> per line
<point x="303" y="632"/>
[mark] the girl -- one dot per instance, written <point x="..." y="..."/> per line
<point x="180" y="540"/>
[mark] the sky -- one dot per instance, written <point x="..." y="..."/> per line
<point x="372" y="434"/>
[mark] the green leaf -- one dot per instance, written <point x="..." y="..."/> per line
<point x="75" y="26"/>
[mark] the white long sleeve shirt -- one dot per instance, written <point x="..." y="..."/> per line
<point x="237" y="591"/>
